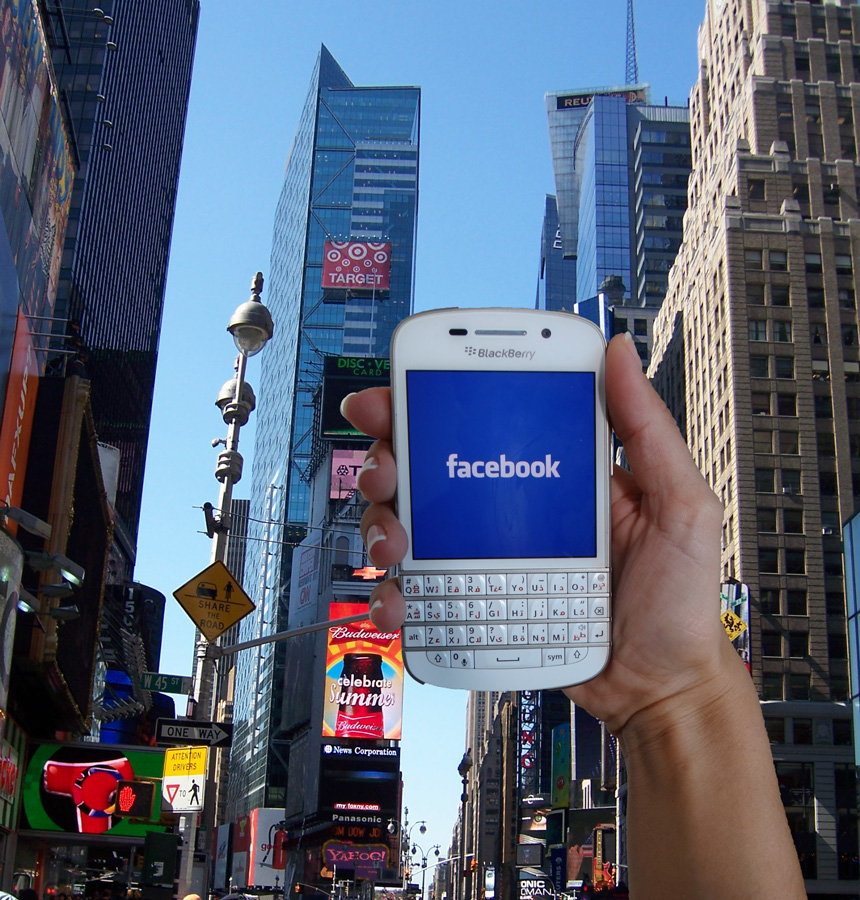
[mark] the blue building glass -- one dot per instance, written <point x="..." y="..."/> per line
<point x="557" y="277"/>
<point x="351" y="175"/>
<point x="124" y="73"/>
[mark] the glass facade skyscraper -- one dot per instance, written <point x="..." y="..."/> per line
<point x="621" y="167"/>
<point x="351" y="179"/>
<point x="124" y="75"/>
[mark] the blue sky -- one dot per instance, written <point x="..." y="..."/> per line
<point x="485" y="168"/>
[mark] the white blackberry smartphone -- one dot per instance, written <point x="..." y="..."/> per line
<point x="503" y="455"/>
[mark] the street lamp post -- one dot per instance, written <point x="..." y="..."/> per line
<point x="251" y="327"/>
<point x="405" y="838"/>
<point x="417" y="848"/>
<point x="464" y="768"/>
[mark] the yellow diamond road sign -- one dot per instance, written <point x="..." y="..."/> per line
<point x="734" y="625"/>
<point x="185" y="761"/>
<point x="214" y="600"/>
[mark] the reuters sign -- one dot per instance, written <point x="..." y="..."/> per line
<point x="356" y="265"/>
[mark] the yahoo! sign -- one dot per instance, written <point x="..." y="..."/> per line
<point x="361" y="857"/>
<point x="356" y="265"/>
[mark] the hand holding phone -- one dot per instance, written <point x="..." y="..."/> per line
<point x="502" y="445"/>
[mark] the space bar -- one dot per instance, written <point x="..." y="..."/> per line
<point x="512" y="658"/>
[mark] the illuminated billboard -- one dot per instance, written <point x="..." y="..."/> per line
<point x="344" y="375"/>
<point x="364" y="679"/>
<point x="360" y="786"/>
<point x="356" y="265"/>
<point x="345" y="466"/>
<point x="72" y="788"/>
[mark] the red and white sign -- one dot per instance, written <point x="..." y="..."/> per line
<point x="351" y="265"/>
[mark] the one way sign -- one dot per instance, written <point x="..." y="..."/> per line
<point x="190" y="732"/>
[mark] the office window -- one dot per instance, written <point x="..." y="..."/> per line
<point x="775" y="730"/>
<point x="798" y="646"/>
<point x="778" y="260"/>
<point x="837" y="646"/>
<point x="823" y="406"/>
<point x="757" y="330"/>
<point x="768" y="559"/>
<point x="833" y="563"/>
<point x="835" y="603"/>
<point x="755" y="294"/>
<point x="753" y="259"/>
<point x="760" y="403"/>
<point x="763" y="441"/>
<point x="755" y="189"/>
<point x="769" y="601"/>
<point x="847" y="299"/>
<point x="771" y="643"/>
<point x="766" y="520"/>
<point x="826" y="443"/>
<point x="815" y="298"/>
<point x="802" y="728"/>
<point x="828" y="484"/>
<point x="813" y="262"/>
<point x="784" y="367"/>
<point x="789" y="443"/>
<point x="640" y="327"/>
<point x="795" y="561"/>
<point x="782" y="331"/>
<point x="771" y="686"/>
<point x="849" y="335"/>
<point x="779" y="295"/>
<point x="791" y="481"/>
<point x="758" y="367"/>
<point x="798" y="686"/>
<point x="764" y="481"/>
<point x="796" y="602"/>
<point x="786" y="404"/>
<point x="792" y="521"/>
<point x="843" y="264"/>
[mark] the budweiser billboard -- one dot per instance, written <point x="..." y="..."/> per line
<point x="356" y="265"/>
<point x="364" y="679"/>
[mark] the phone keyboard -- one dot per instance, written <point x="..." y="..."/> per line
<point x="506" y="620"/>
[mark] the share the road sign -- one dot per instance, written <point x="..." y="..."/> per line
<point x="188" y="731"/>
<point x="214" y="600"/>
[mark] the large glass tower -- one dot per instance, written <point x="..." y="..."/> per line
<point x="350" y="193"/>
<point x="124" y="74"/>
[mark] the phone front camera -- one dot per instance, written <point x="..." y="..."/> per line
<point x="546" y="333"/>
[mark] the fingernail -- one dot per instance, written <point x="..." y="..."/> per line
<point x="343" y="404"/>
<point x="374" y="535"/>
<point x="368" y="465"/>
<point x="375" y="605"/>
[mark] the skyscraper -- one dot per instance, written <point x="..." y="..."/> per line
<point x="124" y="74"/>
<point x="342" y="276"/>
<point x="756" y="353"/>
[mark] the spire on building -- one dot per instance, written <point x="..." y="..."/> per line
<point x="632" y="75"/>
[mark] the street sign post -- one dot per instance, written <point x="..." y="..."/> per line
<point x="189" y="731"/>
<point x="214" y="600"/>
<point x="169" y="684"/>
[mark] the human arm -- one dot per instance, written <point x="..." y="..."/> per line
<point x="701" y="782"/>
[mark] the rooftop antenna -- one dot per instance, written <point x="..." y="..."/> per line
<point x="632" y="64"/>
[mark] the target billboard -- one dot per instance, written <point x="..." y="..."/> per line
<point x="356" y="265"/>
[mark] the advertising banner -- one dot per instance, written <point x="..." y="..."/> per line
<point x="12" y="750"/>
<point x="344" y="375"/>
<point x="268" y="851"/>
<point x="359" y="788"/>
<point x="222" y="853"/>
<point x="17" y="422"/>
<point x="72" y="788"/>
<point x="561" y="766"/>
<point x="241" y="852"/>
<point x="365" y="859"/>
<point x="356" y="265"/>
<point x="345" y="466"/>
<point x="364" y="679"/>
<point x="304" y="580"/>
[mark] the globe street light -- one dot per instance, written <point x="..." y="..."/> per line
<point x="405" y="832"/>
<point x="465" y="881"/>
<point x="416" y="848"/>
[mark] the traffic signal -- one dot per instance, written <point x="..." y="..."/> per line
<point x="134" y="799"/>
<point x="297" y="889"/>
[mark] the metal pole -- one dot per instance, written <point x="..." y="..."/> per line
<point x="204" y="679"/>
<point x="461" y="892"/>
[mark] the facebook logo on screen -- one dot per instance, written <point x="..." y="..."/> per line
<point x="502" y="464"/>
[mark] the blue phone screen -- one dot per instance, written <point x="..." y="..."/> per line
<point x="502" y="464"/>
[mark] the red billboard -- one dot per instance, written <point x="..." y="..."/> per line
<point x="356" y="265"/>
